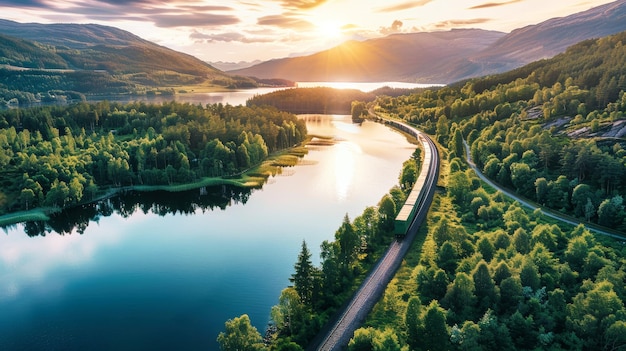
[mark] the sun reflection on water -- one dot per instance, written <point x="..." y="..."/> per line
<point x="344" y="168"/>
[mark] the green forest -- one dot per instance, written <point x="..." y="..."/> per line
<point x="551" y="131"/>
<point x="60" y="156"/>
<point x="485" y="273"/>
<point x="489" y="274"/>
<point x="322" y="99"/>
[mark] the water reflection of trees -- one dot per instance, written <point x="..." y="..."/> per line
<point x="162" y="203"/>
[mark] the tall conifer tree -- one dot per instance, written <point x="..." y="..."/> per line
<point x="303" y="278"/>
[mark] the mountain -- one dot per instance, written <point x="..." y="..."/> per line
<point x="92" y="47"/>
<point x="108" y="48"/>
<point x="547" y="39"/>
<point x="231" y="66"/>
<point x="398" y="57"/>
<point x="445" y="57"/>
<point x="23" y="53"/>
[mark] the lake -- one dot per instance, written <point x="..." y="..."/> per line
<point x="239" y="97"/>
<point x="165" y="271"/>
<point x="365" y="86"/>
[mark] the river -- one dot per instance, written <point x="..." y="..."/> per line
<point x="165" y="275"/>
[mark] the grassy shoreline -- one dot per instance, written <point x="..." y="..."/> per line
<point x="36" y="214"/>
<point x="254" y="177"/>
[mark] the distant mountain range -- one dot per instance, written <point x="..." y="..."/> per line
<point x="398" y="57"/>
<point x="92" y="47"/>
<point x="445" y="57"/>
<point x="107" y="48"/>
<point x="129" y="62"/>
<point x="231" y="66"/>
<point x="549" y="38"/>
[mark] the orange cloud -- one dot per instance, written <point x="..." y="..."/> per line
<point x="404" y="6"/>
<point x="285" y="21"/>
<point x="395" y="27"/>
<point x="302" y="4"/>
<point x="494" y="4"/>
<point x="457" y="23"/>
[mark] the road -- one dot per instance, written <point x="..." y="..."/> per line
<point x="374" y="285"/>
<point x="533" y="206"/>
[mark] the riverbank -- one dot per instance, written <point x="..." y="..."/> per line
<point x="254" y="177"/>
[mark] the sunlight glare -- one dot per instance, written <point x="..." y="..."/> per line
<point x="329" y="29"/>
<point x="344" y="168"/>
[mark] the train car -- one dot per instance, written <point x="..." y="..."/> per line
<point x="402" y="221"/>
<point x="408" y="211"/>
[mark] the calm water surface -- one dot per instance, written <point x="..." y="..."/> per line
<point x="234" y="97"/>
<point x="365" y="86"/>
<point x="169" y="281"/>
<point x="239" y="97"/>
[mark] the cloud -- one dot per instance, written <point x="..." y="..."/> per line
<point x="396" y="27"/>
<point x="24" y="3"/>
<point x="228" y="37"/>
<point x="493" y="4"/>
<point x="458" y="23"/>
<point x="162" y="12"/>
<point x="302" y="4"/>
<point x="138" y="4"/>
<point x="349" y="26"/>
<point x="184" y="13"/>
<point x="193" y="20"/>
<point x="404" y="6"/>
<point x="64" y="4"/>
<point x="223" y="37"/>
<point x="285" y="21"/>
<point x="206" y="8"/>
<point x="124" y="2"/>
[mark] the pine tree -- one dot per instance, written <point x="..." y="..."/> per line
<point x="303" y="278"/>
<point x="349" y="243"/>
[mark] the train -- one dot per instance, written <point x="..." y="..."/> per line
<point x="407" y="213"/>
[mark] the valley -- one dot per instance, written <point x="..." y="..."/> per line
<point x="153" y="201"/>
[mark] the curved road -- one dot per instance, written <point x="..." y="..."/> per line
<point x="532" y="206"/>
<point x="374" y="285"/>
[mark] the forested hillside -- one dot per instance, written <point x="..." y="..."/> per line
<point x="58" y="156"/>
<point x="27" y="54"/>
<point x="553" y="131"/>
<point x="490" y="275"/>
<point x="72" y="60"/>
<point x="98" y="47"/>
<point x="547" y="39"/>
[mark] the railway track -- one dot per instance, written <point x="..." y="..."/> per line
<point x="374" y="285"/>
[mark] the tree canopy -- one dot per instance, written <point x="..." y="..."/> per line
<point x="62" y="155"/>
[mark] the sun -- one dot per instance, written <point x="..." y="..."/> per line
<point x="329" y="29"/>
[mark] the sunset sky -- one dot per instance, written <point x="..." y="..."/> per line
<point x="245" y="30"/>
